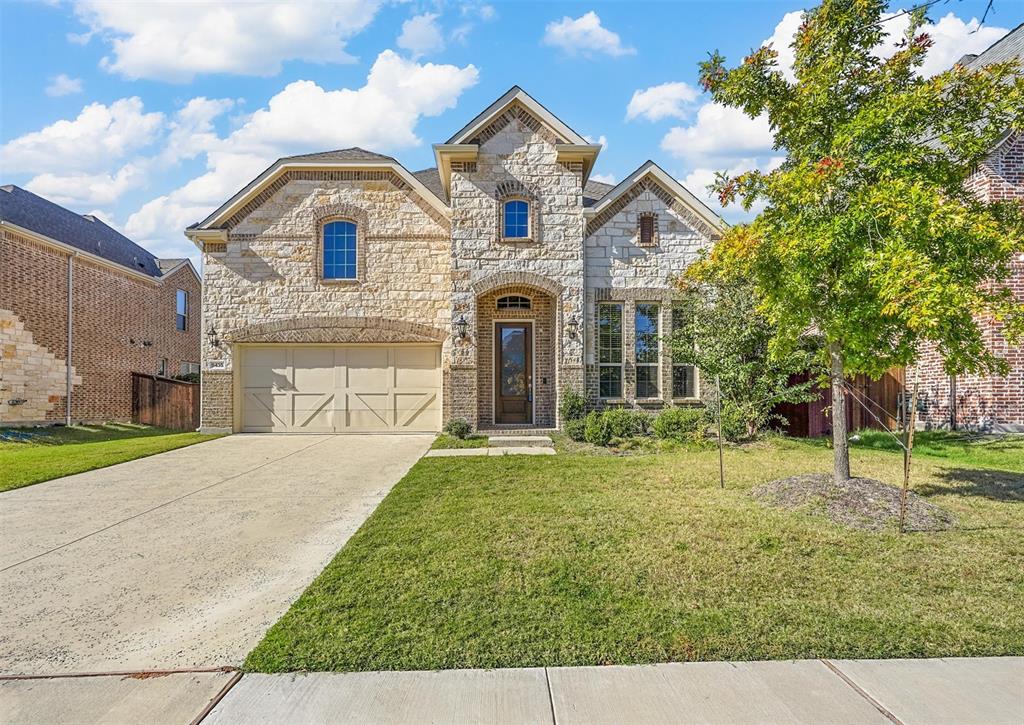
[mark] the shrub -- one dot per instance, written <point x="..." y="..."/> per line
<point x="625" y="423"/>
<point x="734" y="422"/>
<point x="576" y="429"/>
<point x="596" y="429"/>
<point x="680" y="424"/>
<point x="458" y="428"/>
<point x="573" y="406"/>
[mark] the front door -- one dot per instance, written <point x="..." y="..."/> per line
<point x="513" y="372"/>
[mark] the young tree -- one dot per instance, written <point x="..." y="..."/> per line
<point x="869" y="237"/>
<point x="725" y="336"/>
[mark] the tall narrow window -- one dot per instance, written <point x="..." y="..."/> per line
<point x="181" y="309"/>
<point x="648" y="350"/>
<point x="684" y="375"/>
<point x="516" y="219"/>
<point x="339" y="250"/>
<point x="647" y="229"/>
<point x="609" y="349"/>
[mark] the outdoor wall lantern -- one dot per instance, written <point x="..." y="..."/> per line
<point x="212" y="337"/>
<point x="461" y="326"/>
<point x="573" y="326"/>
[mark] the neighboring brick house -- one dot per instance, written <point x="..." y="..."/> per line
<point x="345" y="293"/>
<point x="130" y="312"/>
<point x="973" y="401"/>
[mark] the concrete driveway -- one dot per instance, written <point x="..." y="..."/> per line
<point x="183" y="559"/>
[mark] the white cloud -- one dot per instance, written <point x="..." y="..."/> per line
<point x="64" y="85"/>
<point x="421" y="35"/>
<point x="951" y="36"/>
<point x="80" y="189"/>
<point x="667" y="100"/>
<point x="99" y="135"/>
<point x="603" y="178"/>
<point x="698" y="180"/>
<point x="174" y="41"/>
<point x="381" y="115"/>
<point x="600" y="140"/>
<point x="719" y="134"/>
<point x="584" y="35"/>
<point x="472" y="12"/>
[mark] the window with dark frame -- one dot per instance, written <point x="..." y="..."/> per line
<point x="189" y="368"/>
<point x="647" y="229"/>
<point x="513" y="302"/>
<point x="161" y="367"/>
<point x="648" y="350"/>
<point x="684" y="375"/>
<point x="609" y="349"/>
<point x="181" y="309"/>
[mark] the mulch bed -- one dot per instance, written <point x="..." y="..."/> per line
<point x="861" y="503"/>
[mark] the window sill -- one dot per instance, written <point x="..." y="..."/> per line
<point x="614" y="401"/>
<point x="687" y="401"/>
<point x="341" y="282"/>
<point x="516" y="240"/>
<point x="650" y="401"/>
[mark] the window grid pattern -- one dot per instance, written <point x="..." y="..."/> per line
<point x="684" y="375"/>
<point x="513" y="302"/>
<point x="181" y="309"/>
<point x="609" y="349"/>
<point x="648" y="350"/>
<point x="339" y="252"/>
<point x="516" y="221"/>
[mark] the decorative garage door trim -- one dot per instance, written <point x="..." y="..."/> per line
<point x="340" y="388"/>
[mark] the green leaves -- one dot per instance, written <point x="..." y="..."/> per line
<point x="870" y="235"/>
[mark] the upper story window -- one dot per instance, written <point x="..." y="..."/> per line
<point x="513" y="302"/>
<point x="339" y="250"/>
<point x="181" y="309"/>
<point x="516" y="219"/>
<point x="648" y="229"/>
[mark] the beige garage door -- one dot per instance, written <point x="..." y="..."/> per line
<point x="347" y="389"/>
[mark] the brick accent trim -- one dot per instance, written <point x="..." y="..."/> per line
<point x="507" y="279"/>
<point x="511" y="190"/>
<point x="340" y="212"/>
<point x="339" y="329"/>
<point x="649" y="184"/>
<point x="516" y="112"/>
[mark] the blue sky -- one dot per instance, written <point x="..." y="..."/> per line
<point x="151" y="114"/>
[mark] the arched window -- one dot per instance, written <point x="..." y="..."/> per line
<point x="513" y="302"/>
<point x="339" y="250"/>
<point x="516" y="219"/>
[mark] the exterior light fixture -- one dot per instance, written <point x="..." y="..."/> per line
<point x="573" y="326"/>
<point x="212" y="337"/>
<point x="461" y="326"/>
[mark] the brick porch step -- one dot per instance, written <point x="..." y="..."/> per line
<point x="519" y="441"/>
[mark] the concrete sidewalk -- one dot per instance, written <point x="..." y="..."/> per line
<point x="961" y="691"/>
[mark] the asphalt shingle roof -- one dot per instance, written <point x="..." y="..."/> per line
<point x="594" y="190"/>
<point x="350" y="154"/>
<point x="431" y="179"/>
<point x="86" y="233"/>
<point x="1009" y="46"/>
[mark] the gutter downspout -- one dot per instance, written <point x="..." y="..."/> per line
<point x="67" y="393"/>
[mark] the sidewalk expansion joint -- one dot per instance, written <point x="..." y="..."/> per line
<point x="860" y="691"/>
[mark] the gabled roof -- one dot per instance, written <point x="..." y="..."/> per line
<point x="431" y="179"/>
<point x="513" y="95"/>
<point x="351" y="158"/>
<point x="650" y="169"/>
<point x="1006" y="48"/>
<point x="594" y="191"/>
<point x="86" y="233"/>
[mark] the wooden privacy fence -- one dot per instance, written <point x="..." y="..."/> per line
<point x="165" y="403"/>
<point x="870" y="404"/>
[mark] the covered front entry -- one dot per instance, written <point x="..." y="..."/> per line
<point x="316" y="388"/>
<point x="513" y="372"/>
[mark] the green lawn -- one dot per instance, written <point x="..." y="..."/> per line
<point x="33" y="455"/>
<point x="579" y="559"/>
<point x="446" y="441"/>
<point x="954" y="448"/>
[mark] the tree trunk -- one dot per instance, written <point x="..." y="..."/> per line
<point x="840" y="442"/>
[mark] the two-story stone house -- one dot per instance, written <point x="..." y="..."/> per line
<point x="344" y="293"/>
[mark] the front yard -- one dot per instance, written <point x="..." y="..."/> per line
<point x="579" y="559"/>
<point x="33" y="455"/>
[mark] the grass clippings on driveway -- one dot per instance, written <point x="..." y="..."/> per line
<point x="34" y="455"/>
<point x="587" y="560"/>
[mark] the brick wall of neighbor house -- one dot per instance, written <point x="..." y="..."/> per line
<point x="271" y="272"/>
<point x="620" y="269"/>
<point x="113" y="314"/>
<point x="542" y="314"/>
<point x="516" y="155"/>
<point x="976" y="401"/>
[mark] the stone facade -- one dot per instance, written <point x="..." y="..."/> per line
<point x="973" y="401"/>
<point x="121" y="323"/>
<point x="424" y="271"/>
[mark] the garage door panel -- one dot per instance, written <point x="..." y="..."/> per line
<point x="266" y="410"/>
<point x="309" y="388"/>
